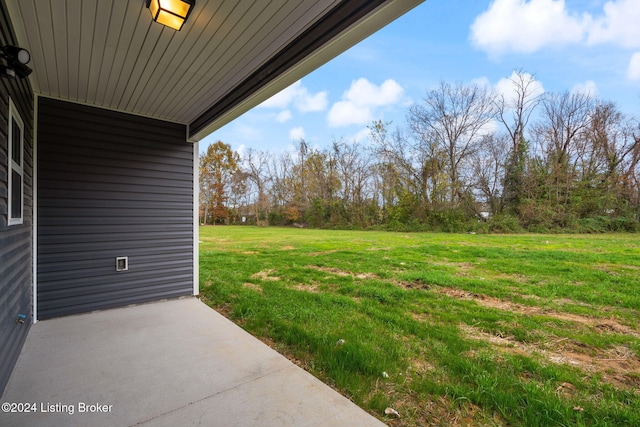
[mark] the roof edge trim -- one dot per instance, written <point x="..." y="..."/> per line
<point x="332" y="24"/>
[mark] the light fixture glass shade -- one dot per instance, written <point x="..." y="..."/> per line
<point x="172" y="13"/>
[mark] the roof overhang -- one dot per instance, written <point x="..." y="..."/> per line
<point x="229" y="57"/>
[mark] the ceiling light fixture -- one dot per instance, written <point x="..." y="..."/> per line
<point x="172" y="13"/>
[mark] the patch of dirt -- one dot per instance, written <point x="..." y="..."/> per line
<point x="287" y="248"/>
<point x="507" y="343"/>
<point x="323" y="253"/>
<point x="421" y="317"/>
<point x="601" y="324"/>
<point x="462" y="266"/>
<point x="265" y="276"/>
<point x="619" y="365"/>
<point x="311" y="288"/>
<point x="342" y="273"/>
<point x="253" y="286"/>
<point x="566" y="301"/>
<point x="614" y="268"/>
<point x="420" y="366"/>
<point x="566" y="390"/>
<point x="414" y="284"/>
<point x="331" y="270"/>
<point x="249" y="252"/>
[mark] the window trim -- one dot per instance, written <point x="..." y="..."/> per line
<point x="12" y="166"/>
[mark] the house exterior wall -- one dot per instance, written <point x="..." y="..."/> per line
<point x="16" y="265"/>
<point x="111" y="185"/>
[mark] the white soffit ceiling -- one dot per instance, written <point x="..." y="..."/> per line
<point x="109" y="53"/>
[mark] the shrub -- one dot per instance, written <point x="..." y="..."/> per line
<point x="504" y="224"/>
<point x="625" y="224"/>
<point x="448" y="220"/>
<point x="597" y="224"/>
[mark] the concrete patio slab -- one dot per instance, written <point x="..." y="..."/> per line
<point x="169" y="363"/>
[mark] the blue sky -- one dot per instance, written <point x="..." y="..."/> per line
<point x="574" y="45"/>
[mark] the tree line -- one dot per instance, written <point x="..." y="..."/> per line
<point x="468" y="159"/>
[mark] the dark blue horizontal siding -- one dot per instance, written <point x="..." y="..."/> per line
<point x="16" y="243"/>
<point x="110" y="185"/>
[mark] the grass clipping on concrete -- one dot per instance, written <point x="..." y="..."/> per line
<point x="446" y="329"/>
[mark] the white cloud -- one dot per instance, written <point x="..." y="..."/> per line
<point x="633" y="70"/>
<point x="358" y="102"/>
<point x="364" y="135"/>
<point x="618" y="25"/>
<point x="283" y="98"/>
<point x="283" y="116"/>
<point x="310" y="103"/>
<point x="345" y="113"/>
<point x="482" y="82"/>
<point x="489" y="128"/>
<point x="526" y="26"/>
<point x="588" y="88"/>
<point x="296" y="133"/>
<point x="240" y="150"/>
<point x="508" y="87"/>
<point x="362" y="92"/>
<point x="300" y="97"/>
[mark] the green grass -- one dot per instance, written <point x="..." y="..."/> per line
<point x="448" y="329"/>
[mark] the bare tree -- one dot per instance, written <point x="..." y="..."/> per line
<point x="611" y="140"/>
<point x="256" y="164"/>
<point x="239" y="196"/>
<point x="564" y="120"/>
<point x="602" y="154"/>
<point x="354" y="167"/>
<point x="488" y="170"/>
<point x="631" y="174"/>
<point x="513" y="111"/>
<point x="284" y="190"/>
<point x="455" y="117"/>
<point x="403" y="176"/>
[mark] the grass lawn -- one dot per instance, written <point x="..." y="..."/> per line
<point x="447" y="329"/>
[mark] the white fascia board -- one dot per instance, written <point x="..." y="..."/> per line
<point x="196" y="220"/>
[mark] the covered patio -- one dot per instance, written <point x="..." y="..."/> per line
<point x="99" y="145"/>
<point x="174" y="362"/>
